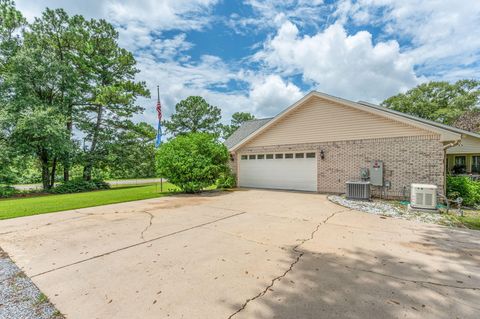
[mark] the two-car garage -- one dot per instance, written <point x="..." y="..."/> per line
<point x="292" y="170"/>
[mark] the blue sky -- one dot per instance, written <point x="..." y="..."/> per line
<point x="261" y="56"/>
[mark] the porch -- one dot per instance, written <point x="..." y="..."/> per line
<point x="464" y="164"/>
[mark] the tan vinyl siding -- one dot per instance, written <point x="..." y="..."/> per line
<point x="468" y="145"/>
<point x="320" y="120"/>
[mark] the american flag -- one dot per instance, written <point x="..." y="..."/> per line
<point x="159" y="110"/>
<point x="158" y="141"/>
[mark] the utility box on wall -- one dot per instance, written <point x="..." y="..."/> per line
<point x="376" y="173"/>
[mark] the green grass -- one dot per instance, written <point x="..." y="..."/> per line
<point x="471" y="219"/>
<point x="18" y="207"/>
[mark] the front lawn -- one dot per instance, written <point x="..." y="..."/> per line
<point x="18" y="207"/>
<point x="470" y="219"/>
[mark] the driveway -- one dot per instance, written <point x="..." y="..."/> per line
<point x="245" y="254"/>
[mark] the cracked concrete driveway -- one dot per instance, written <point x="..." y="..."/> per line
<point x="245" y="254"/>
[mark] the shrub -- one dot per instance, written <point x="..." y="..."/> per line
<point x="227" y="180"/>
<point x="7" y="191"/>
<point x="192" y="161"/>
<point x="459" y="169"/>
<point x="79" y="185"/>
<point x="464" y="187"/>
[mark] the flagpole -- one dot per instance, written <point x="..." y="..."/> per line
<point x="158" y="100"/>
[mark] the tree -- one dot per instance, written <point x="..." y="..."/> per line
<point x="11" y="20"/>
<point x="113" y="91"/>
<point x="238" y="118"/>
<point x="65" y="69"/>
<point x="438" y="101"/>
<point x="192" y="161"/>
<point x="42" y="133"/>
<point x="132" y="153"/>
<point x="469" y="121"/>
<point x="194" y="115"/>
<point x="32" y="96"/>
<point x="62" y="38"/>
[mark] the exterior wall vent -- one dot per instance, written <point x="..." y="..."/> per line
<point x="358" y="190"/>
<point x="423" y="196"/>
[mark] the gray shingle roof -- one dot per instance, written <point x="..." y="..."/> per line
<point x="245" y="130"/>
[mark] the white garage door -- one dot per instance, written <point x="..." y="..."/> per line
<point x="297" y="171"/>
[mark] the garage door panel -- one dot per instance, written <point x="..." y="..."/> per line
<point x="296" y="174"/>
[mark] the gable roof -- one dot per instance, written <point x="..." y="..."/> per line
<point x="447" y="133"/>
<point x="244" y="131"/>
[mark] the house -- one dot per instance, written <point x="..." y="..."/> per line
<point x="322" y="141"/>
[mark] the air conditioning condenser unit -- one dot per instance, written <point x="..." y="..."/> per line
<point x="358" y="190"/>
<point x="423" y="196"/>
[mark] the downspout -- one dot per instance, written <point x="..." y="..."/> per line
<point x="445" y="148"/>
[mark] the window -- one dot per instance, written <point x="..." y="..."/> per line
<point x="460" y="160"/>
<point x="475" y="164"/>
<point x="260" y="156"/>
<point x="269" y="156"/>
<point x="310" y="155"/>
<point x="244" y="157"/>
<point x="460" y="165"/>
<point x="251" y="157"/>
<point x="299" y="155"/>
<point x="289" y="155"/>
<point x="278" y="156"/>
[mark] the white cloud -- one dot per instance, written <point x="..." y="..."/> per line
<point x="272" y="94"/>
<point x="273" y="13"/>
<point x="443" y="35"/>
<point x="207" y="78"/>
<point x="349" y="66"/>
<point x="438" y="41"/>
<point x="138" y="21"/>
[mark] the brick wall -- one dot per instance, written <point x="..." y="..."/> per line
<point x="418" y="159"/>
<point x="233" y="163"/>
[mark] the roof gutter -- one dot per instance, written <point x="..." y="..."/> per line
<point x="445" y="147"/>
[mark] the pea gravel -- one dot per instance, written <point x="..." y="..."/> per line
<point x="19" y="297"/>
<point x="392" y="209"/>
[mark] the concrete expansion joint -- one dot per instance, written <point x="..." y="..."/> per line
<point x="138" y="244"/>
<point x="290" y="268"/>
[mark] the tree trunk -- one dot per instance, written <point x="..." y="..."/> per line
<point x="87" y="169"/>
<point x="54" y="171"/>
<point x="45" y="170"/>
<point x="87" y="172"/>
<point x="66" y="171"/>
<point x="66" y="162"/>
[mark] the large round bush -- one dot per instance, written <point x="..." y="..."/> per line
<point x="192" y="161"/>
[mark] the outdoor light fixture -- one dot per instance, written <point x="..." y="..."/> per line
<point x="322" y="154"/>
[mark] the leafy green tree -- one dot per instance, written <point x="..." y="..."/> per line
<point x="32" y="89"/>
<point x="469" y="121"/>
<point x="42" y="134"/>
<point x="11" y="20"/>
<point x="113" y="92"/>
<point x="66" y="69"/>
<point x="438" y="101"/>
<point x="238" y="118"/>
<point x="132" y="153"/>
<point x="61" y="37"/>
<point x="194" y="115"/>
<point x="192" y="161"/>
